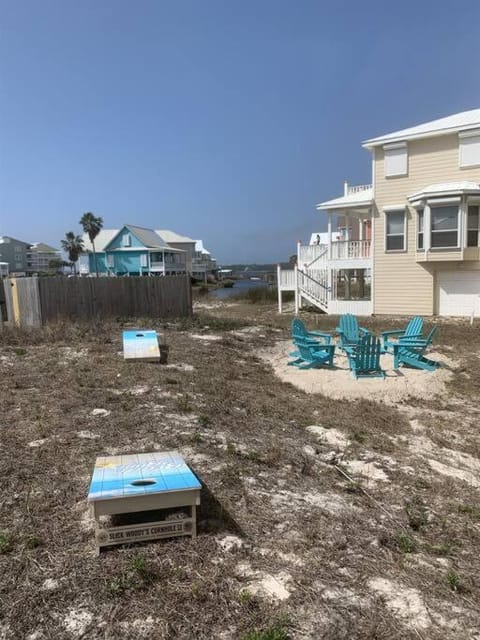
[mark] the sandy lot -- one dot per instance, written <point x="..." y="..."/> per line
<point x="338" y="382"/>
<point x="331" y="509"/>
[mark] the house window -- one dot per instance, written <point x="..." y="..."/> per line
<point x="444" y="227"/>
<point x="110" y="260"/>
<point x="395" y="231"/>
<point x="143" y="260"/>
<point x="420" y="229"/>
<point x="126" y="240"/>
<point x="469" y="148"/>
<point x="396" y="160"/>
<point x="472" y="226"/>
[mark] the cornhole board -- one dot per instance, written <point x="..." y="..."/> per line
<point x="128" y="484"/>
<point x="141" y="345"/>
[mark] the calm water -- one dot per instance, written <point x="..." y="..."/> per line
<point x="240" y="285"/>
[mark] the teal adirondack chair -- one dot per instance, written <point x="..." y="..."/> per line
<point x="349" y="332"/>
<point x="413" y="330"/>
<point x="364" y="358"/>
<point x="310" y="356"/>
<point x="300" y="332"/>
<point x="404" y="354"/>
<point x="419" y="344"/>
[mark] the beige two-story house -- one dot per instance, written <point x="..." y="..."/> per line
<point x="411" y="244"/>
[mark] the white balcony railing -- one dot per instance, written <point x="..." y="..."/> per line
<point x="350" y="249"/>
<point x="308" y="253"/>
<point x="358" y="188"/>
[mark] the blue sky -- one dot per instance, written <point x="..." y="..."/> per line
<point x="223" y="120"/>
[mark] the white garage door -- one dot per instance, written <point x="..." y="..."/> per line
<point x="458" y="293"/>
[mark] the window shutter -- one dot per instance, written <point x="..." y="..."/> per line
<point x="469" y="149"/>
<point x="395" y="160"/>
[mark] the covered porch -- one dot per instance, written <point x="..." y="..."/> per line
<point x="333" y="272"/>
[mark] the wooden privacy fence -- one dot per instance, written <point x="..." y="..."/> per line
<point x="34" y="301"/>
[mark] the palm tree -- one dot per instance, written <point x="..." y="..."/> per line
<point x="73" y="245"/>
<point x="92" y="225"/>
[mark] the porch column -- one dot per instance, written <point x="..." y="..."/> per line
<point x="149" y="263"/>
<point x="426" y="228"/>
<point x="295" y="269"/>
<point x="361" y="222"/>
<point x="347" y="227"/>
<point x="279" y="291"/>
<point x="163" y="261"/>
<point x="329" y="229"/>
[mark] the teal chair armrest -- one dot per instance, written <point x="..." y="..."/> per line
<point x="395" y="332"/>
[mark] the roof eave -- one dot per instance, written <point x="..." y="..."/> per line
<point x="382" y="140"/>
<point x="327" y="206"/>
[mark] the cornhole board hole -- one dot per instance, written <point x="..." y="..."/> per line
<point x="159" y="483"/>
<point x="141" y="345"/>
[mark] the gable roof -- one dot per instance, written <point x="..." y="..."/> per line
<point x="148" y="237"/>
<point x="171" y="236"/>
<point x="41" y="247"/>
<point x="104" y="237"/>
<point x="451" y="124"/>
<point x="200" y="248"/>
<point x="8" y="239"/>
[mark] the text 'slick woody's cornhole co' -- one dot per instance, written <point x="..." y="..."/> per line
<point x="129" y="484"/>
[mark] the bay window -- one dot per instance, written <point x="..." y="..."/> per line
<point x="444" y="227"/>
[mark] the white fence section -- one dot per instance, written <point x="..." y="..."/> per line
<point x="350" y="249"/>
<point x="286" y="280"/>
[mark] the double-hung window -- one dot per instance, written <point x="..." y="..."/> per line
<point x="473" y="220"/>
<point x="420" y="227"/>
<point x="395" y="231"/>
<point x="444" y="227"/>
<point x="126" y="240"/>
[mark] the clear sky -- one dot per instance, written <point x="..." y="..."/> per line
<point x="225" y="120"/>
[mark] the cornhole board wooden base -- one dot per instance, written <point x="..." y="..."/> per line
<point x="141" y="345"/>
<point x="129" y="484"/>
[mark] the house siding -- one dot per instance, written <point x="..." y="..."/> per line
<point x="124" y="262"/>
<point x="401" y="285"/>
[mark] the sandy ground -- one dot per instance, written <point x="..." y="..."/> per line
<point x="339" y="383"/>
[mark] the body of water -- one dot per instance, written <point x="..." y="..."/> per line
<point x="239" y="286"/>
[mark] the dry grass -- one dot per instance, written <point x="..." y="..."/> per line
<point x="268" y="481"/>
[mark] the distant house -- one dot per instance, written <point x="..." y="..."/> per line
<point x="14" y="252"/>
<point x="178" y="241"/>
<point x="150" y="251"/>
<point x="39" y="256"/>
<point x="132" y="251"/>
<point x="25" y="258"/>
<point x="203" y="263"/>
